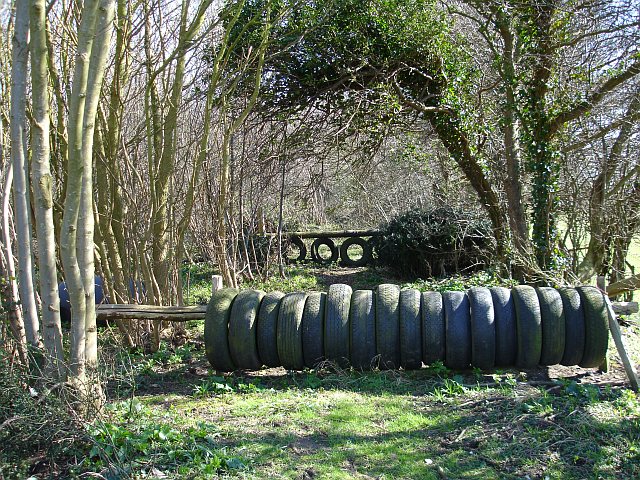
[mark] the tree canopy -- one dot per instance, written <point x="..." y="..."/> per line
<point x="497" y="82"/>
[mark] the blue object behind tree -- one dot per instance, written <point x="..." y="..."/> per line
<point x="65" y="304"/>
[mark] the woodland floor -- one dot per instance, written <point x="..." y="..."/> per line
<point x="170" y="416"/>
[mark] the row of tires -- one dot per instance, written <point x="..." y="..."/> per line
<point x="389" y="328"/>
<point x="335" y="252"/>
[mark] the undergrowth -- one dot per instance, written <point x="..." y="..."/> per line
<point x="168" y="415"/>
<point x="129" y="440"/>
<point x="38" y="427"/>
<point x="484" y="278"/>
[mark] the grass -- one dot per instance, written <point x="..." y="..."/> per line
<point x="170" y="416"/>
<point x="325" y="424"/>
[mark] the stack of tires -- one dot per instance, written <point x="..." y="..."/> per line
<point x="392" y="328"/>
<point x="335" y="252"/>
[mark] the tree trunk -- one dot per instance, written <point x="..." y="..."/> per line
<point x="109" y="179"/>
<point x="86" y="245"/>
<point x="73" y="199"/>
<point x="19" y="60"/>
<point x="165" y="169"/>
<point x="42" y="182"/>
<point x="10" y="286"/>
<point x="598" y="216"/>
<point x="448" y="130"/>
<point x="537" y="135"/>
<point x="513" y="185"/>
<point x="226" y="261"/>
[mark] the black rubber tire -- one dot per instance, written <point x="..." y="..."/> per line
<point x="362" y="317"/>
<point x="596" y="322"/>
<point x="242" y="330"/>
<point x="529" y="326"/>
<point x="344" y="252"/>
<point x="216" y="329"/>
<point x="290" y="330"/>
<point x="574" y="327"/>
<point x="433" y="328"/>
<point x="506" y="329"/>
<point x="336" y="324"/>
<point x="410" y="330"/>
<point x="553" y="325"/>
<point x="315" y="255"/>
<point x="268" y="328"/>
<point x="313" y="329"/>
<point x="458" y="330"/>
<point x="483" y="328"/>
<point x="388" y="325"/>
<point x="302" y="249"/>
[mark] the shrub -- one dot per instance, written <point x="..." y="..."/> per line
<point x="434" y="242"/>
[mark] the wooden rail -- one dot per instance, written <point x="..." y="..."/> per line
<point x="184" y="314"/>
<point x="330" y="234"/>
<point x="624" y="308"/>
<point x="150" y="312"/>
<point x="622" y="286"/>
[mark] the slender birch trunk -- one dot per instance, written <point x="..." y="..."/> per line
<point x="10" y="286"/>
<point x="85" y="248"/>
<point x="42" y="182"/>
<point x="19" y="60"/>
<point x="75" y="171"/>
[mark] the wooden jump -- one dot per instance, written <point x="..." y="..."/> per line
<point x="330" y="234"/>
<point x="184" y="314"/>
<point x="150" y="312"/>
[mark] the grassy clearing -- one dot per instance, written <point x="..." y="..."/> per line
<point x="310" y="277"/>
<point x="327" y="424"/>
<point x="170" y="416"/>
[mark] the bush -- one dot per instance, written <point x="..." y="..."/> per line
<point x="435" y="242"/>
<point x="39" y="435"/>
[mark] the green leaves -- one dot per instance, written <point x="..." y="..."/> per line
<point x="325" y="49"/>
<point x="140" y="442"/>
<point x="433" y="242"/>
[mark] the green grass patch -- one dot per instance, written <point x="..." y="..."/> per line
<point x="196" y="282"/>
<point x="484" y="278"/>
<point x="298" y="278"/>
<point x="425" y="424"/>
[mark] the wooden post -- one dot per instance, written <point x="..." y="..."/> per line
<point x="617" y="338"/>
<point x="216" y="283"/>
<point x="601" y="284"/>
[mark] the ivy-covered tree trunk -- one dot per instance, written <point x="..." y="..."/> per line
<point x="539" y="150"/>
<point x="510" y="130"/>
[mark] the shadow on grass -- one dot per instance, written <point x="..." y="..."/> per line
<point x="181" y="379"/>
<point x="430" y="424"/>
<point x="363" y="278"/>
<point x="497" y="436"/>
